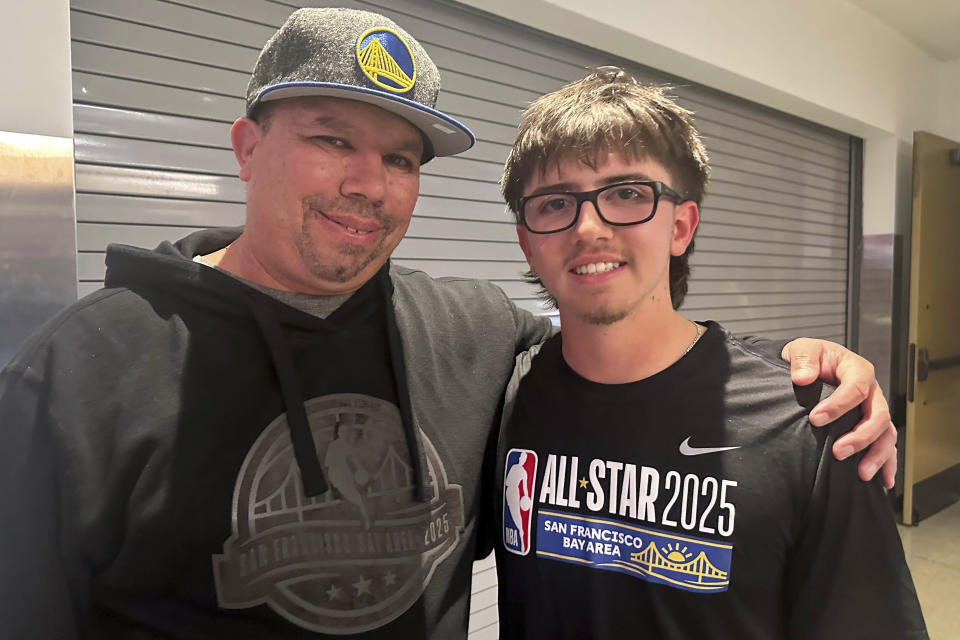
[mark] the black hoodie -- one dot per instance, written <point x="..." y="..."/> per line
<point x="187" y="457"/>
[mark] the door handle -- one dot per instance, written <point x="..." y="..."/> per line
<point x="925" y="364"/>
<point x="911" y="367"/>
<point x="938" y="364"/>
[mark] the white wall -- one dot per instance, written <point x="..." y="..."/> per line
<point x="35" y="68"/>
<point x="948" y="115"/>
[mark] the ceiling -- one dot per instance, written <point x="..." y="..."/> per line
<point x="933" y="25"/>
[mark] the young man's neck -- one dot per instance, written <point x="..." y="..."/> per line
<point x="637" y="347"/>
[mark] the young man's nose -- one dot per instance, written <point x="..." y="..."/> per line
<point x="589" y="225"/>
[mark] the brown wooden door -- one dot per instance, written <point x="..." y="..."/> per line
<point x="933" y="397"/>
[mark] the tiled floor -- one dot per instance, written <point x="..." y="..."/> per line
<point x="933" y="553"/>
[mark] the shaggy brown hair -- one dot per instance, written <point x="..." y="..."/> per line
<point x="609" y="111"/>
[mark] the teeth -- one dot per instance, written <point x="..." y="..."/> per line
<point x="345" y="226"/>
<point x="596" y="267"/>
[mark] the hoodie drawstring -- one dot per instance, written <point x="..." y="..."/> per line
<point x="304" y="448"/>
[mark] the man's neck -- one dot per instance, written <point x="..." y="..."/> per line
<point x="637" y="347"/>
<point x="239" y="259"/>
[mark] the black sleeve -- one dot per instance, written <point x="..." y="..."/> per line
<point x="847" y="577"/>
<point x="770" y="348"/>
<point x="37" y="598"/>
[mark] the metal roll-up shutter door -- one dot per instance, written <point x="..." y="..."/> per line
<point x="157" y="84"/>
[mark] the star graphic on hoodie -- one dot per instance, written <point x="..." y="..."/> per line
<point x="362" y="586"/>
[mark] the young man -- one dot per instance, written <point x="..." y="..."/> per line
<point x="272" y="432"/>
<point x="676" y="487"/>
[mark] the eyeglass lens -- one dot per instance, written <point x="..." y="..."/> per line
<point x="619" y="203"/>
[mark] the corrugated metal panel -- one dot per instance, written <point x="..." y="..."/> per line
<point x="157" y="84"/>
<point x="483" y="601"/>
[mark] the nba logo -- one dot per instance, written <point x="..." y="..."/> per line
<point x="519" y="481"/>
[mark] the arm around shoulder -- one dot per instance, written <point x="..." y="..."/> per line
<point x="811" y="359"/>
<point x="531" y="329"/>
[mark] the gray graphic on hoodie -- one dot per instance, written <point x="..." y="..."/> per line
<point x="356" y="557"/>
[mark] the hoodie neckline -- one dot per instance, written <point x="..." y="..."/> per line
<point x="171" y="267"/>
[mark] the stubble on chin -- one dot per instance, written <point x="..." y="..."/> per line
<point x="605" y="314"/>
<point x="604" y="317"/>
<point x="348" y="261"/>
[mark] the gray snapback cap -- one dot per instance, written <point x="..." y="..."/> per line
<point x="356" y="55"/>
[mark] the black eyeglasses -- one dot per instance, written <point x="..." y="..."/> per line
<point x="622" y="204"/>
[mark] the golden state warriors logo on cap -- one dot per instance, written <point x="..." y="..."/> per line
<point x="386" y="59"/>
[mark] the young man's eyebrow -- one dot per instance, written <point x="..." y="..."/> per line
<point x="559" y="187"/>
<point x="554" y="188"/>
<point x="626" y="177"/>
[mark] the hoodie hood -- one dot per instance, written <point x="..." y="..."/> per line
<point x="171" y="267"/>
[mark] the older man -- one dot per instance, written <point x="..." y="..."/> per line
<point x="163" y="438"/>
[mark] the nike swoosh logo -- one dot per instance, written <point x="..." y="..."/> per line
<point x="687" y="450"/>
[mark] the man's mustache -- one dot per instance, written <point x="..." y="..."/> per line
<point x="351" y="206"/>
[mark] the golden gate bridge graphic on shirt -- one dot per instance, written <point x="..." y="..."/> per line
<point x="700" y="570"/>
<point x="393" y="480"/>
<point x="680" y="561"/>
<point x="377" y="63"/>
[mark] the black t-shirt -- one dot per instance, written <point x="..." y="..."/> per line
<point x="697" y="503"/>
<point x="350" y="353"/>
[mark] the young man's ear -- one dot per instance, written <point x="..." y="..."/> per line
<point x="524" y="245"/>
<point x="686" y="217"/>
<point x="245" y="135"/>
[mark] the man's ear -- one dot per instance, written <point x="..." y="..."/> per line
<point x="686" y="217"/>
<point x="245" y="135"/>
<point x="525" y="246"/>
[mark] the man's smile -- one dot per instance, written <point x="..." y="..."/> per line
<point x="595" y="263"/>
<point x="596" y="267"/>
<point x="354" y="224"/>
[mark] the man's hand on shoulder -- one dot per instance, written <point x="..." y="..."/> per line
<point x="810" y="359"/>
